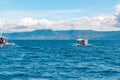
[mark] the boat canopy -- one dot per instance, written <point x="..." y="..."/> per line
<point x="80" y="39"/>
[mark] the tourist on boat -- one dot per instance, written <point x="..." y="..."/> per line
<point x="83" y="42"/>
<point x="3" y="40"/>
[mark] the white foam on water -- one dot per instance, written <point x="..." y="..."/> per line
<point x="8" y="44"/>
<point x="83" y="45"/>
<point x="12" y="44"/>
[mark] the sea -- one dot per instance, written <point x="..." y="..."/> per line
<point x="60" y="60"/>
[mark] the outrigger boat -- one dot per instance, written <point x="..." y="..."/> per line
<point x="82" y="42"/>
<point x="3" y="40"/>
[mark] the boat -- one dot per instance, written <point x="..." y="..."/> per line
<point x="3" y="40"/>
<point x="82" y="42"/>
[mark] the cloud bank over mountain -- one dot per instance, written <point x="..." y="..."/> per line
<point x="98" y="23"/>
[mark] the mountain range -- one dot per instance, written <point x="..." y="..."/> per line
<point x="64" y="35"/>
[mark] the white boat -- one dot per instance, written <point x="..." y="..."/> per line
<point x="82" y="42"/>
<point x="3" y="40"/>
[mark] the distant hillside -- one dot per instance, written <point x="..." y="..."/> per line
<point x="64" y="35"/>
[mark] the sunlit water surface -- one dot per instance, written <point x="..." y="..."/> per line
<point x="60" y="60"/>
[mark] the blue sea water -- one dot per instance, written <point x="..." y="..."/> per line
<point x="60" y="60"/>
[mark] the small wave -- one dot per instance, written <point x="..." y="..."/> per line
<point x="11" y="44"/>
<point x="105" y="71"/>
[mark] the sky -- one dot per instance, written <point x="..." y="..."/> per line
<point x="28" y="15"/>
<point x="55" y="9"/>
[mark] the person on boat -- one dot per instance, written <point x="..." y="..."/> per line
<point x="3" y="40"/>
<point x="83" y="42"/>
<point x="79" y="42"/>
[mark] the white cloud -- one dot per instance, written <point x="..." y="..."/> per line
<point x="118" y="8"/>
<point x="98" y="23"/>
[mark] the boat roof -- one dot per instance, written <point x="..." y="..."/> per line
<point x="79" y="39"/>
